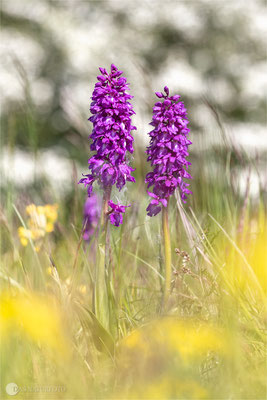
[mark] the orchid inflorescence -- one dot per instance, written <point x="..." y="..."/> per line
<point x="112" y="140"/>
<point x="111" y="135"/>
<point x="167" y="151"/>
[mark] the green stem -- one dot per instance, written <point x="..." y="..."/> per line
<point x="167" y="252"/>
<point x="101" y="307"/>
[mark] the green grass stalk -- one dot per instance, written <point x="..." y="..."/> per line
<point x="167" y="253"/>
<point x="101" y="305"/>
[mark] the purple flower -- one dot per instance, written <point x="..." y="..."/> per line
<point x="92" y="211"/>
<point x="167" y="151"/>
<point x="154" y="207"/>
<point x="115" y="214"/>
<point x="111" y="135"/>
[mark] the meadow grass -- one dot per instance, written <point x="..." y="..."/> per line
<point x="207" y="342"/>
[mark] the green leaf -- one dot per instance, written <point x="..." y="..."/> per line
<point x="102" y="339"/>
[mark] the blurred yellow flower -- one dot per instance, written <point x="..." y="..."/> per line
<point x="49" y="270"/>
<point x="167" y="388"/>
<point x="24" y="235"/>
<point x="33" y="318"/>
<point x="51" y="212"/>
<point x="49" y="227"/>
<point x="257" y="254"/>
<point x="188" y="339"/>
<point x="30" y="209"/>
<point x="245" y="261"/>
<point x="163" y="359"/>
<point x="41" y="221"/>
<point x="82" y="289"/>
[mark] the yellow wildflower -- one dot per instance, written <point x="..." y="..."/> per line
<point x="40" y="210"/>
<point x="33" y="318"/>
<point x="245" y="261"/>
<point x="163" y="359"/>
<point x="187" y="339"/>
<point x="24" y="235"/>
<point x="49" y="227"/>
<point x="37" y="233"/>
<point x="31" y="209"/>
<point x="41" y="221"/>
<point x="37" y="220"/>
<point x="51" y="212"/>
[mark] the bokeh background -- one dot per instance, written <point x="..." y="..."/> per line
<point x="213" y="53"/>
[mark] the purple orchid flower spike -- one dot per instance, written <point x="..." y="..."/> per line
<point x="167" y="151"/>
<point x="111" y="135"/>
<point x="116" y="213"/>
<point x="112" y="142"/>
